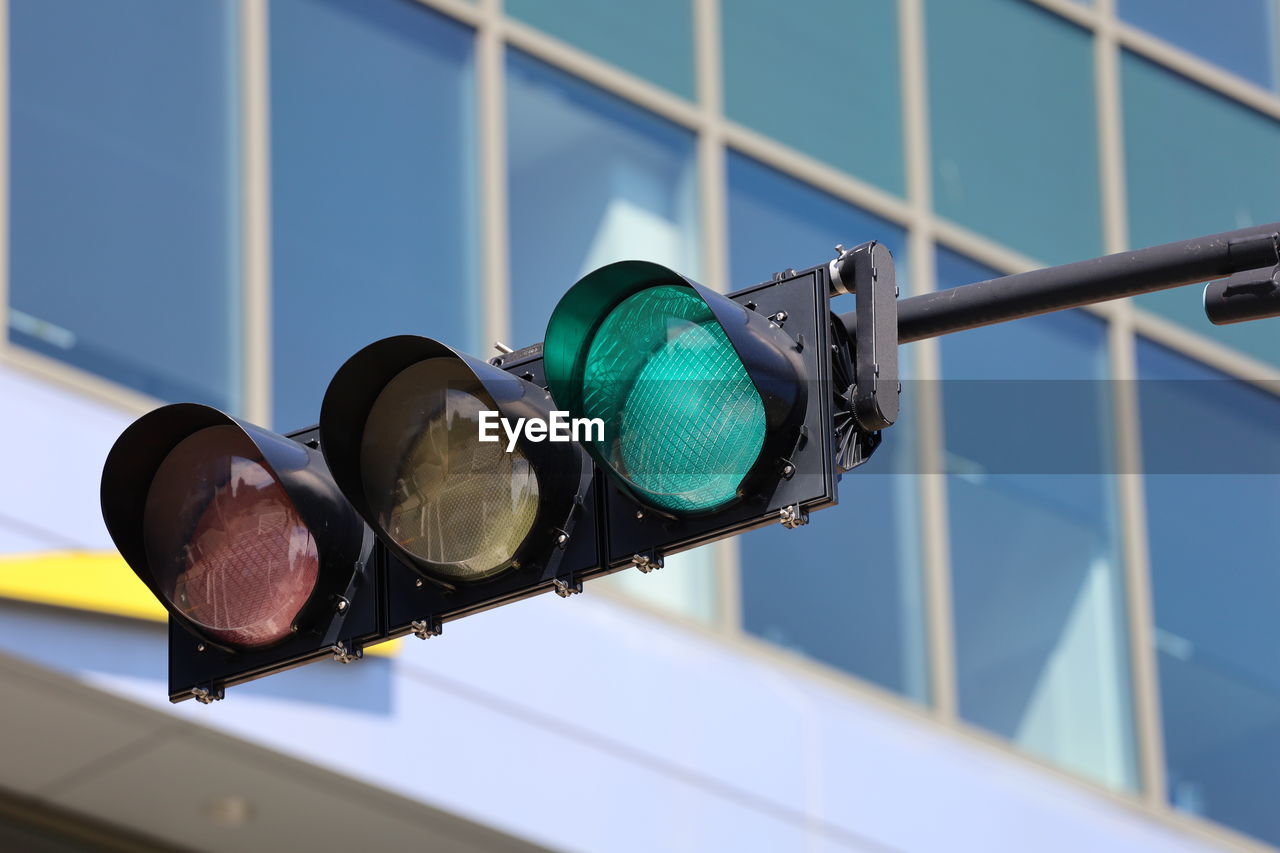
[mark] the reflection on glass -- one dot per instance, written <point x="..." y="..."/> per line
<point x="124" y="192"/>
<point x="776" y="222"/>
<point x="227" y="546"/>
<point x="1211" y="455"/>
<point x="1242" y="36"/>
<point x="1013" y="124"/>
<point x="653" y="39"/>
<point x="845" y="590"/>
<point x="847" y="75"/>
<point x="461" y="505"/>
<point x="1196" y="163"/>
<point x="595" y="180"/>
<point x="1041" y="650"/>
<point x="372" y="187"/>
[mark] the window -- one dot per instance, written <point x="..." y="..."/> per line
<point x="595" y="180"/>
<point x="845" y="590"/>
<point x="1196" y="163"/>
<point x="1211" y="456"/>
<point x="592" y="180"/>
<point x="1014" y="128"/>
<point x="776" y="222"/>
<point x="1041" y="649"/>
<point x="1239" y="35"/>
<point x="373" y="187"/>
<point x="653" y="39"/>
<point x="822" y="77"/>
<point x="124" y="184"/>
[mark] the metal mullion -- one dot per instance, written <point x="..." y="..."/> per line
<point x="1198" y="70"/>
<point x="926" y="368"/>
<point x="1176" y="59"/>
<point x="255" y="227"/>
<point x="491" y="132"/>
<point x="714" y="256"/>
<point x="1139" y="609"/>
<point x="1130" y="494"/>
<point x="5" y="79"/>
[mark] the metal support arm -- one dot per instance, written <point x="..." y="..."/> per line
<point x="1041" y="291"/>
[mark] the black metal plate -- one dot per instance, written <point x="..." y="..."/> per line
<point x="804" y="299"/>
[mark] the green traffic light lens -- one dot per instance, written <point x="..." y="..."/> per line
<point x="684" y="423"/>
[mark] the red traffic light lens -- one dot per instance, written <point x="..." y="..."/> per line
<point x="228" y="548"/>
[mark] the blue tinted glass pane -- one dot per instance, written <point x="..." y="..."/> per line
<point x="1197" y="163"/>
<point x="372" y="187"/>
<point x="1211" y="452"/>
<point x="846" y="589"/>
<point x="776" y="222"/>
<point x="123" y="182"/>
<point x="1041" y="654"/>
<point x="592" y="180"/>
<point x="1014" y="127"/>
<point x="830" y="91"/>
<point x="1239" y="35"/>
<point x="653" y="39"/>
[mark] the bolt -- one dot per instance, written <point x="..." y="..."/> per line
<point x="200" y="647"/>
<point x="341" y="605"/>
<point x="639" y="514"/>
<point x="562" y="538"/>
<point x="424" y="630"/>
<point x="418" y="583"/>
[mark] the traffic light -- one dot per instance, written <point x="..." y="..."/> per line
<point x="723" y="413"/>
<point x="245" y="539"/>
<point x="657" y="416"/>
<point x="476" y="522"/>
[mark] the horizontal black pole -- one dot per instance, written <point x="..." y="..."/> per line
<point x="1027" y="294"/>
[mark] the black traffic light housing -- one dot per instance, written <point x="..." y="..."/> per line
<point x="827" y="386"/>
<point x="848" y="391"/>
<point x="562" y="544"/>
<point x="340" y="613"/>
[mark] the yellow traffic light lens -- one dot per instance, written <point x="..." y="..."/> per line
<point x="683" y="422"/>
<point x="227" y="546"/>
<point x="460" y="505"/>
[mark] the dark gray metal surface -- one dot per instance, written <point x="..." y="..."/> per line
<point x="1041" y="291"/>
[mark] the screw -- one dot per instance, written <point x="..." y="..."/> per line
<point x="418" y="583"/>
<point x="562" y="538"/>
<point x="639" y="514"/>
<point x="788" y="470"/>
<point x="423" y="630"/>
<point x="341" y="605"/>
<point x="200" y="647"/>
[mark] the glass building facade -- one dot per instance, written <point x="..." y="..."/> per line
<point x="1066" y="543"/>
